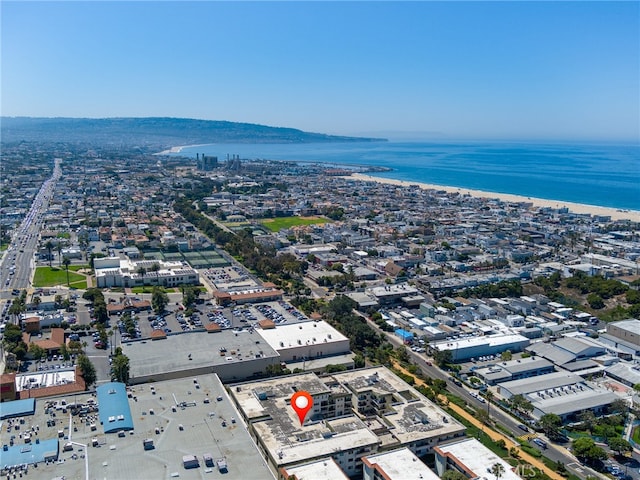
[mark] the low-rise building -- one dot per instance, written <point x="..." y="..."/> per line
<point x="515" y="370"/>
<point x="118" y="272"/>
<point x="469" y="457"/>
<point x="396" y="465"/>
<point x="562" y="393"/>
<point x="306" y="340"/>
<point x="482" y="345"/>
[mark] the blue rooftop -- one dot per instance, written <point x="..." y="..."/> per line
<point x="115" y="414"/>
<point x="404" y="334"/>
<point x="17" y="408"/>
<point x="29" y="453"/>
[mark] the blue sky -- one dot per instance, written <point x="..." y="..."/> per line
<point x="503" y="70"/>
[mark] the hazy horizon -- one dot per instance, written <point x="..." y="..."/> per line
<point x="508" y="71"/>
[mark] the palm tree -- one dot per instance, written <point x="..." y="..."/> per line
<point x="489" y="396"/>
<point x="49" y="247"/>
<point x="497" y="470"/>
<point x="66" y="261"/>
<point x="141" y="271"/>
<point x="59" y="250"/>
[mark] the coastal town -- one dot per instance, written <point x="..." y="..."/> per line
<point x="159" y="311"/>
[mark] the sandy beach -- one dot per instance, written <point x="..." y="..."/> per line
<point x="615" y="214"/>
<point x="178" y="149"/>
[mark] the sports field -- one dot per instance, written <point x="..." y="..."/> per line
<point x="277" y="224"/>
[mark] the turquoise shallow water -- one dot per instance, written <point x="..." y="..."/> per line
<point x="602" y="174"/>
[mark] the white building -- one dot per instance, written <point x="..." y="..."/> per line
<point x="306" y="340"/>
<point x="396" y="465"/>
<point x="472" y="459"/>
<point x="562" y="393"/>
<point x="325" y="469"/>
<point x="476" y="346"/>
<point x="118" y="272"/>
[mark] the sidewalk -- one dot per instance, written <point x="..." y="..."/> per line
<point x="495" y="436"/>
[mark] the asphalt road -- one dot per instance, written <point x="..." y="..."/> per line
<point x="25" y="242"/>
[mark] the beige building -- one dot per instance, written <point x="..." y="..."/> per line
<point x="354" y="414"/>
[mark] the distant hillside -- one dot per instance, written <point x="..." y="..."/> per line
<point x="156" y="132"/>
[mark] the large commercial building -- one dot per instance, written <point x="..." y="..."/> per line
<point x="628" y="330"/>
<point x="233" y="356"/>
<point x="477" y="346"/>
<point x="141" y="432"/>
<point x="354" y="414"/>
<point x="120" y="272"/>
<point x="236" y="355"/>
<point x="562" y="393"/>
<point x="515" y="370"/>
<point x="305" y="340"/>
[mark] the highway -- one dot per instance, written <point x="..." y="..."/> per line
<point x="18" y="262"/>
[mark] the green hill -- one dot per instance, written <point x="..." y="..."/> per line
<point x="154" y="131"/>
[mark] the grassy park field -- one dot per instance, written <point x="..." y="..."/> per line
<point x="277" y="224"/>
<point x="52" y="276"/>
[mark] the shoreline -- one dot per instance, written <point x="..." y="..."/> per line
<point x="179" y="148"/>
<point x="579" y="208"/>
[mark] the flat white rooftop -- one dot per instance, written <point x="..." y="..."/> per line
<point x="300" y="334"/>
<point x="488" y="340"/>
<point x="308" y="442"/>
<point x="45" y="379"/>
<point x="477" y="458"/>
<point x="325" y="469"/>
<point x="400" y="465"/>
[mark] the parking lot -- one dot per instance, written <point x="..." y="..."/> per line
<point x="235" y="317"/>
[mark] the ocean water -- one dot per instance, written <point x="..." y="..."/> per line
<point x="600" y="174"/>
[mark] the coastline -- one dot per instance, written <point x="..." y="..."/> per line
<point x="179" y="148"/>
<point x="579" y="208"/>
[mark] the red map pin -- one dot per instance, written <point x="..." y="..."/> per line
<point x="302" y="402"/>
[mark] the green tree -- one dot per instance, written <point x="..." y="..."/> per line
<point x="585" y="448"/>
<point x="489" y="396"/>
<point x="159" y="300"/>
<point x="64" y="351"/>
<point x="121" y="368"/>
<point x="551" y="424"/>
<point x="36" y="302"/>
<point x="588" y="419"/>
<point x="74" y="347"/>
<point x="36" y="351"/>
<point x="87" y="370"/>
<point x="442" y="357"/>
<point x="59" y="250"/>
<point x="520" y="403"/>
<point x="453" y="475"/>
<point x="66" y="261"/>
<point x="49" y="247"/>
<point x="619" y="445"/>
<point x="506" y="355"/>
<point x="618" y="406"/>
<point x="142" y="272"/>
<point x="595" y="301"/>
<point x="189" y="295"/>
